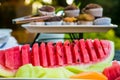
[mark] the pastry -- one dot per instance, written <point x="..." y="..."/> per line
<point x="47" y="11"/>
<point x="71" y="11"/>
<point x="93" y="9"/>
<point x="69" y="21"/>
<point x="85" y="19"/>
<point x="56" y="20"/>
<point x="103" y="21"/>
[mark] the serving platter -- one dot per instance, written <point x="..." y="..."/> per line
<point x="39" y="79"/>
<point x="67" y="28"/>
<point x="35" y="79"/>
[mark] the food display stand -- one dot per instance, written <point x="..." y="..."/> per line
<point x="67" y="28"/>
<point x="71" y="29"/>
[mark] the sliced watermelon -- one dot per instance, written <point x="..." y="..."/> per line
<point x="118" y="78"/>
<point x="106" y="46"/>
<point x="59" y="54"/>
<point x="17" y="57"/>
<point x="51" y="54"/>
<point x="113" y="71"/>
<point x="35" y="54"/>
<point x="2" y="57"/>
<point x="76" y="52"/>
<point x="84" y="52"/>
<point x="67" y="52"/>
<point x="43" y="55"/>
<point x="25" y="54"/>
<point x="99" y="49"/>
<point x="9" y="58"/>
<point x="79" y="52"/>
<point x="91" y="50"/>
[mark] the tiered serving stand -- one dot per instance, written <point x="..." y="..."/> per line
<point x="66" y="28"/>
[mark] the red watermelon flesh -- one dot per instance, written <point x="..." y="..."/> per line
<point x="43" y="55"/>
<point x="2" y="57"/>
<point x="106" y="46"/>
<point x="25" y="54"/>
<point x="91" y="50"/>
<point x="35" y="55"/>
<point x="118" y="78"/>
<point x="84" y="53"/>
<point x="113" y="71"/>
<point x="9" y="58"/>
<point x="99" y="49"/>
<point x="67" y="52"/>
<point x="17" y="57"/>
<point x="51" y="54"/>
<point x="76" y="52"/>
<point x="59" y="54"/>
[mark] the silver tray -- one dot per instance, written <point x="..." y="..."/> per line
<point x="67" y="28"/>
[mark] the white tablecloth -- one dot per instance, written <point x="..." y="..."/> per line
<point x="10" y="43"/>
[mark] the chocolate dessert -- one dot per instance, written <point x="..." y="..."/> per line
<point x="71" y="7"/>
<point x="71" y="11"/>
<point x="47" y="9"/>
<point x="55" y="18"/>
<point x="93" y="9"/>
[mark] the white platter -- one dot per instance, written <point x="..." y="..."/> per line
<point x="67" y="28"/>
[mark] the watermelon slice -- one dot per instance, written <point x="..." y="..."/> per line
<point x="99" y="49"/>
<point x="35" y="55"/>
<point x="99" y="66"/>
<point x="17" y="57"/>
<point x="118" y="78"/>
<point x="77" y="55"/>
<point x="84" y="52"/>
<point x="43" y="55"/>
<point x="106" y="46"/>
<point x="51" y="54"/>
<point x="25" y="54"/>
<point x="76" y="52"/>
<point x="9" y="58"/>
<point x="67" y="52"/>
<point x="113" y="71"/>
<point x="2" y="57"/>
<point x="59" y="54"/>
<point x="91" y="50"/>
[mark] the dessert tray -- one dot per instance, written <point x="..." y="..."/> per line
<point x="67" y="28"/>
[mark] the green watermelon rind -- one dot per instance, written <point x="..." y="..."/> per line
<point x="6" y="73"/>
<point x="99" y="66"/>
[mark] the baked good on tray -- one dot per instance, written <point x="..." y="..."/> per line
<point x="71" y="11"/>
<point x="56" y="20"/>
<point x="47" y="10"/>
<point x="56" y="60"/>
<point x="93" y="9"/>
<point x="85" y="19"/>
<point x="69" y="21"/>
<point x="102" y="21"/>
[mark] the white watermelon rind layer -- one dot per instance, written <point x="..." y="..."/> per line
<point x="99" y="66"/>
<point x="6" y="72"/>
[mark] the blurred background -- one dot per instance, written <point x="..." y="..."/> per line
<point x="10" y="9"/>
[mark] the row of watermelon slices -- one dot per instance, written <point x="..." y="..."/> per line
<point x="59" y="54"/>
